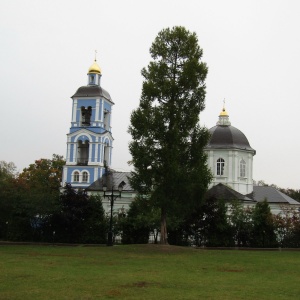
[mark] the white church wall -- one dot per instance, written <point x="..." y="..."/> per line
<point x="231" y="176"/>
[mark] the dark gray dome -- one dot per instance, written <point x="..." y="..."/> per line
<point x="92" y="91"/>
<point x="228" y="137"/>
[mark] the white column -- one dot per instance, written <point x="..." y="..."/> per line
<point x="101" y="153"/>
<point x="250" y="172"/>
<point x="74" y="113"/>
<point x="102" y="110"/>
<point x="97" y="110"/>
<point x="68" y="152"/>
<point x="236" y="165"/>
<point x="211" y="162"/>
<point x="230" y="169"/>
<point x="90" y="152"/>
<point x="96" y="149"/>
<point x="75" y="152"/>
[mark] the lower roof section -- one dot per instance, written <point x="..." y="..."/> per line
<point x="272" y="195"/>
<point x="111" y="180"/>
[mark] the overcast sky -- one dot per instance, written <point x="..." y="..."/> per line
<point x="252" y="49"/>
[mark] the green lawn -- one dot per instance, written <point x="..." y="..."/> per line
<point x="146" y="272"/>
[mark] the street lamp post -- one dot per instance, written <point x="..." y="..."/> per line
<point x="112" y="197"/>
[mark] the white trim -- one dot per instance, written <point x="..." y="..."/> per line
<point x="83" y="133"/>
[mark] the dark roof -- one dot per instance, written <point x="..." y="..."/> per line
<point x="113" y="179"/>
<point x="228" y="137"/>
<point x="92" y="91"/>
<point x="221" y="191"/>
<point x="260" y="193"/>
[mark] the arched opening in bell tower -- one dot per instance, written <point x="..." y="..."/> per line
<point x="86" y="114"/>
<point x="83" y="153"/>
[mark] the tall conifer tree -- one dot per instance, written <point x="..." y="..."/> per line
<point x="167" y="141"/>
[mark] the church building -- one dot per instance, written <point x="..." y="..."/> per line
<point x="89" y="154"/>
<point x="230" y="158"/>
<point x="89" y="141"/>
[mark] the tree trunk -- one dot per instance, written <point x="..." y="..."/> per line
<point x="163" y="227"/>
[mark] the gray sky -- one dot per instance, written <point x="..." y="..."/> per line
<point x="252" y="49"/>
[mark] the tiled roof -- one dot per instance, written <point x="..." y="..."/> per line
<point x="92" y="91"/>
<point x="260" y="193"/>
<point x="113" y="179"/>
<point x="221" y="191"/>
<point x="228" y="137"/>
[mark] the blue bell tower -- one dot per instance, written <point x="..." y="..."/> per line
<point x="89" y="141"/>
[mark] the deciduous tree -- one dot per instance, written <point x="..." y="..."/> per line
<point x="30" y="197"/>
<point x="7" y="189"/>
<point x="80" y="218"/>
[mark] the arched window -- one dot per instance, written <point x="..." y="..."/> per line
<point x="220" y="166"/>
<point x="76" y="176"/>
<point x="85" y="176"/>
<point x="242" y="168"/>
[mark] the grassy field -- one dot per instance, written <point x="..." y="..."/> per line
<point x="146" y="272"/>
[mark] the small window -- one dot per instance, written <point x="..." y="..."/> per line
<point x="92" y="79"/>
<point x="242" y="168"/>
<point x="85" y="177"/>
<point x="76" y="176"/>
<point x="220" y="166"/>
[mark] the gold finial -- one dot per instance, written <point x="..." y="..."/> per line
<point x="94" y="68"/>
<point x="224" y="112"/>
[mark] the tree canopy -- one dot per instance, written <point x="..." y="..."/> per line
<point x="167" y="140"/>
<point x="32" y="207"/>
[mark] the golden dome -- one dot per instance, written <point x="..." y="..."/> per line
<point x="223" y="112"/>
<point x="94" y="68"/>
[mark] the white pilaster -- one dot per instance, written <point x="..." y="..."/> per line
<point x="74" y="113"/>
<point x="97" y="109"/>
